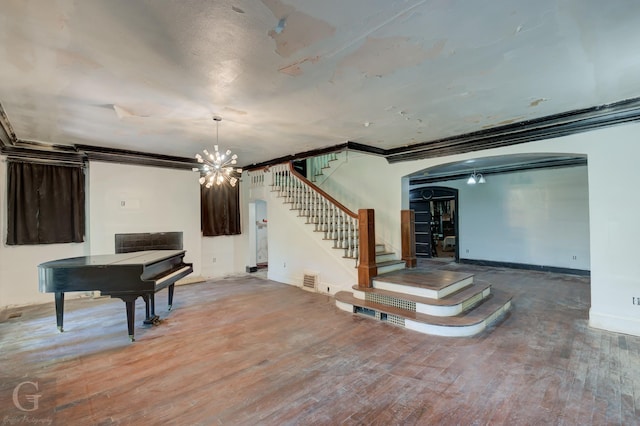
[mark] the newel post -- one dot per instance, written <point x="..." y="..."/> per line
<point x="367" y="268"/>
<point x="408" y="229"/>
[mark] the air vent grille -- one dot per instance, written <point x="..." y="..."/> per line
<point x="310" y="282"/>
<point x="391" y="301"/>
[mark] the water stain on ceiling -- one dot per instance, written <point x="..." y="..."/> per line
<point x="295" y="30"/>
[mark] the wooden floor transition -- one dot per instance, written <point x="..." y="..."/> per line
<point x="249" y="351"/>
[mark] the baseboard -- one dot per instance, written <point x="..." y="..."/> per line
<point x="614" y="323"/>
<point x="542" y="268"/>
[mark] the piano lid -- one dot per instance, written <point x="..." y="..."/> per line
<point x="132" y="258"/>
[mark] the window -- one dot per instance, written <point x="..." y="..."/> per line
<point x="45" y="203"/>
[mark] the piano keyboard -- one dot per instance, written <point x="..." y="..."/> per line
<point x="173" y="274"/>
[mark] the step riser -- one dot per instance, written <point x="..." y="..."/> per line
<point x="385" y="257"/>
<point x="447" y="331"/>
<point x="449" y="311"/>
<point x="344" y="306"/>
<point x="422" y="308"/>
<point x="423" y="292"/>
<point x="390" y="268"/>
<point x="432" y="329"/>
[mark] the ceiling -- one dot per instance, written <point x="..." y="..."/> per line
<point x="289" y="76"/>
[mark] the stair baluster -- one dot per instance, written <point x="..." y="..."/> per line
<point x="335" y="221"/>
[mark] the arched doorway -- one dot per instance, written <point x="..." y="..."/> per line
<point x="436" y="221"/>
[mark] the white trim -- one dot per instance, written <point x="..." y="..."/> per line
<point x="344" y="306"/>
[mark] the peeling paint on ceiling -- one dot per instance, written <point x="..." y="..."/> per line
<point x="295" y="30"/>
<point x="294" y="68"/>
<point x="537" y="102"/>
<point x="288" y="75"/>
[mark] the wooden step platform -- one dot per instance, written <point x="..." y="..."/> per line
<point x="423" y="282"/>
<point x="443" y="303"/>
<point x="451" y="305"/>
<point x="468" y="323"/>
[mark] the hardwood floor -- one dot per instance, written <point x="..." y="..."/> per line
<point x="250" y="351"/>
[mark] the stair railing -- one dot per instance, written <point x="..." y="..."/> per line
<point x="320" y="209"/>
<point x="316" y="165"/>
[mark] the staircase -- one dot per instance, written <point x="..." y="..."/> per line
<point x="318" y="165"/>
<point x="442" y="303"/>
<point x="387" y="261"/>
<point x="436" y="302"/>
<point x="330" y="219"/>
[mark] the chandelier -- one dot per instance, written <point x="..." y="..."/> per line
<point x="217" y="167"/>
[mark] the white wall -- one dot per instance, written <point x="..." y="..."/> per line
<point x="295" y="249"/>
<point x="535" y="217"/>
<point x="614" y="227"/>
<point x="19" y="264"/>
<point x="129" y="199"/>
<point x="364" y="181"/>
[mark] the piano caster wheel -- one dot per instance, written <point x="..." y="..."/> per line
<point x="156" y="321"/>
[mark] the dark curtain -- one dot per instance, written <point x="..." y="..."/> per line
<point x="45" y="203"/>
<point x="220" y="207"/>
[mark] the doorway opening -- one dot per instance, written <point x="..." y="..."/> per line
<point x="258" y="238"/>
<point x="436" y="222"/>
<point x="262" y="241"/>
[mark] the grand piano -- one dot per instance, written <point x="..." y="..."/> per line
<point x="126" y="276"/>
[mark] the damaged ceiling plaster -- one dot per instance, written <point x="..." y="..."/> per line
<point x="294" y="75"/>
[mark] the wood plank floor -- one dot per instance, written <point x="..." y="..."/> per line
<point x="250" y="351"/>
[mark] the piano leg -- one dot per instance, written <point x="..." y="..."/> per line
<point x="150" y="309"/>
<point x="130" y="302"/>
<point x="59" y="297"/>
<point x="145" y="297"/>
<point x="170" y="296"/>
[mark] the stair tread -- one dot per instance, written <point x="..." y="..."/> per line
<point x="471" y="317"/>
<point x="450" y="300"/>
<point x="423" y="278"/>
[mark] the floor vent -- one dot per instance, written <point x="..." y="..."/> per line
<point x="310" y="282"/>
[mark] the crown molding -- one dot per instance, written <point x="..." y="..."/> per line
<point x="552" y="126"/>
<point x="548" y="127"/>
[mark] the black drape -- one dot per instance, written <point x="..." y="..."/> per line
<point x="45" y="203"/>
<point x="220" y="208"/>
